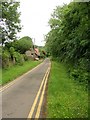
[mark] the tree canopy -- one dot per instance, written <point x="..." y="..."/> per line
<point x="10" y="22"/>
<point x="21" y="45"/>
<point x="68" y="39"/>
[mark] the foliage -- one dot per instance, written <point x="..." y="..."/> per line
<point x="68" y="39"/>
<point x="16" y="49"/>
<point x="12" y="50"/>
<point x="18" y="58"/>
<point x="42" y="52"/>
<point x="26" y="58"/>
<point x="0" y="56"/>
<point x="10" y="22"/>
<point x="5" y="59"/>
<point x="21" y="45"/>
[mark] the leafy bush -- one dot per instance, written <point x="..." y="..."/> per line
<point x="23" y="44"/>
<point x="18" y="58"/>
<point x="25" y="57"/>
<point x="11" y="50"/>
<point x="5" y="59"/>
<point x="68" y="39"/>
<point x="0" y="56"/>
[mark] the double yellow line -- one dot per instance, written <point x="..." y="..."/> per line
<point x="40" y="93"/>
<point x="42" y="87"/>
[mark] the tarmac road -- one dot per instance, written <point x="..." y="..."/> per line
<point x="18" y="99"/>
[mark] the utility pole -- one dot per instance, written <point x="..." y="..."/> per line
<point x="34" y="48"/>
<point x="34" y="43"/>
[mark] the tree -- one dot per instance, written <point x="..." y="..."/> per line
<point x="23" y="44"/>
<point x="69" y="37"/>
<point x="10" y="22"/>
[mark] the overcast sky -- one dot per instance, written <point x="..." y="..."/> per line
<point x="35" y="15"/>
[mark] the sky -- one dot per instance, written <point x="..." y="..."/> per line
<point x="35" y="15"/>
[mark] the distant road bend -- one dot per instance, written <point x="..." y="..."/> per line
<point x="24" y="98"/>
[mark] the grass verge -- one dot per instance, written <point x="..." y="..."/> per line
<point x="65" y="97"/>
<point x="17" y="70"/>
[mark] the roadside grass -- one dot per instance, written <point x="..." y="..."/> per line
<point x="0" y="75"/>
<point x="65" y="97"/>
<point x="15" y="71"/>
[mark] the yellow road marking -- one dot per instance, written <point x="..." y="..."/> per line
<point x="42" y="96"/>
<point x="37" y="96"/>
<point x="14" y="81"/>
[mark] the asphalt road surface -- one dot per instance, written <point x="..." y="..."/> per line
<point x="17" y="99"/>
